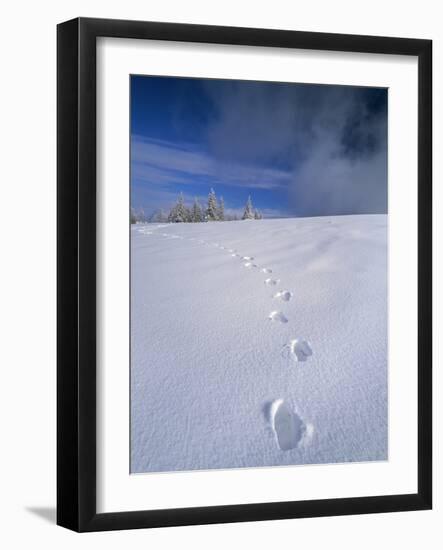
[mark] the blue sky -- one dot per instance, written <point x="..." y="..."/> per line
<point x="298" y="150"/>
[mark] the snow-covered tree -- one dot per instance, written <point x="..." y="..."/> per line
<point x="215" y="211"/>
<point x="138" y="216"/>
<point x="179" y="213"/>
<point x="221" y="210"/>
<point x="211" y="211"/>
<point x="249" y="210"/>
<point x="197" y="212"/>
<point x="159" y="216"/>
<point x="172" y="214"/>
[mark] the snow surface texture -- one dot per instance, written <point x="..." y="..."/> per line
<point x="233" y="368"/>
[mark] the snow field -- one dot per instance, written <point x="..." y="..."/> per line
<point x="203" y="360"/>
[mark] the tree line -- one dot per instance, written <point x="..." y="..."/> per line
<point x="212" y="212"/>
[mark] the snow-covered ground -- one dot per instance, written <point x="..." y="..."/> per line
<point x="258" y="343"/>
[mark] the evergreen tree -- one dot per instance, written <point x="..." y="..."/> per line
<point x="138" y="216"/>
<point x="197" y="213"/>
<point x="249" y="210"/>
<point x="179" y="212"/>
<point x="257" y="215"/>
<point x="141" y="215"/>
<point x="159" y="216"/>
<point x="172" y="213"/>
<point x="221" y="210"/>
<point x="188" y="214"/>
<point x="211" y="211"/>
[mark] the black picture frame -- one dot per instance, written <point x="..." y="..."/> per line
<point x="76" y="280"/>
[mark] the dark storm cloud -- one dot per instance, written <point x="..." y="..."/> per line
<point x="330" y="140"/>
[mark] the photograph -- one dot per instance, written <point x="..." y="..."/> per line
<point x="258" y="274"/>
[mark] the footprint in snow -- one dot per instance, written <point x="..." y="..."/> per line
<point x="248" y="258"/>
<point x="249" y="265"/>
<point x="284" y="295"/>
<point x="272" y="282"/>
<point x="297" y="349"/>
<point x="231" y="250"/>
<point x="289" y="429"/>
<point x="277" y="316"/>
<point x="266" y="270"/>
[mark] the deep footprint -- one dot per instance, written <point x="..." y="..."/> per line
<point x="266" y="270"/>
<point x="284" y="295"/>
<point x="298" y="350"/>
<point x="289" y="428"/>
<point x="277" y="316"/>
<point x="272" y="282"/>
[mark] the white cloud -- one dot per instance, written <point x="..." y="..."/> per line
<point x="162" y="163"/>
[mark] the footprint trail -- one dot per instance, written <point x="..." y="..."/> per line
<point x="290" y="431"/>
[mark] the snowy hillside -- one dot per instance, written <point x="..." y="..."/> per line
<point x="258" y="343"/>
